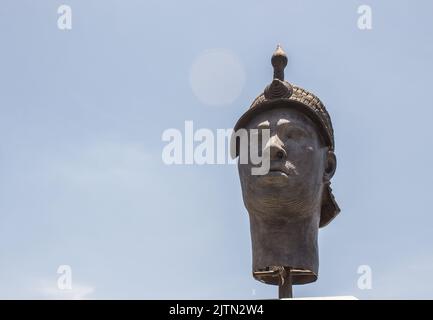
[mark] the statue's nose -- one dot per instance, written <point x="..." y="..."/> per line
<point x="276" y="150"/>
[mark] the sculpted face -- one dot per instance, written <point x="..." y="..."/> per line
<point x="300" y="164"/>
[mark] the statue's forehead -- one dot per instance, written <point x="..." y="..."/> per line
<point x="281" y="115"/>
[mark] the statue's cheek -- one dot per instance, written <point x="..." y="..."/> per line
<point x="306" y="160"/>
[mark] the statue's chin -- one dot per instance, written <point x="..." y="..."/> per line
<point x="280" y="199"/>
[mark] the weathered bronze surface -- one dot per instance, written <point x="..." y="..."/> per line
<point x="293" y="200"/>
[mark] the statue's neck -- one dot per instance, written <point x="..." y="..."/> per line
<point x="287" y="243"/>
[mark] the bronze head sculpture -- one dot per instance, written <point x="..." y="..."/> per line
<point x="292" y="199"/>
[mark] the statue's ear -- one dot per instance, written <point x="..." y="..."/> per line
<point x="331" y="165"/>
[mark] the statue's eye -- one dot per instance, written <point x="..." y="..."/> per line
<point x="295" y="134"/>
<point x="291" y="134"/>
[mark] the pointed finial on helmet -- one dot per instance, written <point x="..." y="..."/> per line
<point x="278" y="87"/>
<point x="279" y="62"/>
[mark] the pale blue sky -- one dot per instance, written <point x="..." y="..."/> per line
<point x="82" y="113"/>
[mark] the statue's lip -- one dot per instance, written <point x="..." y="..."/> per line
<point x="278" y="166"/>
<point x="278" y="172"/>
